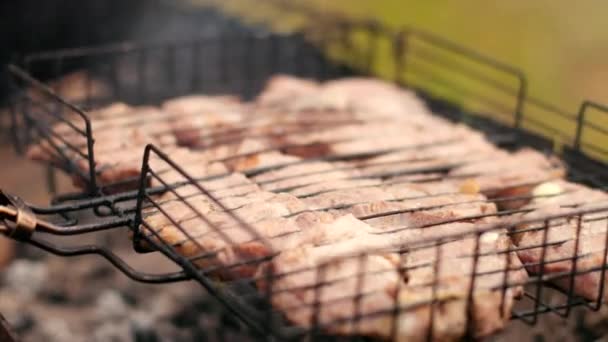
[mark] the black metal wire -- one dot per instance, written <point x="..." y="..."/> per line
<point x="113" y="259"/>
<point x="145" y="197"/>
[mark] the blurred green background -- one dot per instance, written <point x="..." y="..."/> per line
<point x="561" y="46"/>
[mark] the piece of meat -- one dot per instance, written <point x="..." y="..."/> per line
<point x="384" y="144"/>
<point x="195" y="164"/>
<point x="373" y="98"/>
<point x="126" y="164"/>
<point x="558" y="242"/>
<point x="260" y="161"/>
<point x="294" y="292"/>
<point x="300" y="174"/>
<point x="513" y="174"/>
<point x="257" y="210"/>
<point x="376" y="139"/>
<point x="332" y="185"/>
<point x="446" y="155"/>
<point x="390" y="170"/>
<point x="406" y="190"/>
<point x="222" y="186"/>
<point x="346" y="197"/>
<point x="193" y="117"/>
<point x="443" y="274"/>
<point x="365" y="98"/>
<point x="389" y="215"/>
<point x="248" y="154"/>
<point x="374" y="278"/>
<point x="77" y="86"/>
<point x="229" y="243"/>
<point x="281" y="90"/>
<point x="120" y="142"/>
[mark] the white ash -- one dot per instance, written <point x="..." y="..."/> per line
<point x="56" y="330"/>
<point x="26" y="278"/>
<point x="143" y="327"/>
<point x="84" y="299"/>
<point x="110" y="305"/>
<point x="112" y="332"/>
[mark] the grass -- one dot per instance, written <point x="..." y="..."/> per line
<point x="561" y="46"/>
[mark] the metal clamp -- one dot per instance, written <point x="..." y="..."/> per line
<point x="18" y="221"/>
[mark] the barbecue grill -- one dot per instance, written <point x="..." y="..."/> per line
<point x="240" y="62"/>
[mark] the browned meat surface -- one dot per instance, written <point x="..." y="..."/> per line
<point x="119" y="142"/>
<point x="121" y="132"/>
<point x="221" y="187"/>
<point x="325" y="186"/>
<point x="346" y="197"/>
<point x="193" y="118"/>
<point x="228" y="243"/>
<point x="511" y="174"/>
<point x="337" y="235"/>
<point x="301" y="174"/>
<point x="390" y="177"/>
<point x="400" y="213"/>
<point x="370" y="98"/>
<point x="294" y="293"/>
<point x="281" y="90"/>
<point x="366" y="99"/>
<point x="567" y="238"/>
<point x="451" y="267"/>
<point x="381" y="137"/>
<point x="382" y="285"/>
<point x="461" y="149"/>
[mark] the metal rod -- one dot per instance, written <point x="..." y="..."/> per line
<point x="113" y="259"/>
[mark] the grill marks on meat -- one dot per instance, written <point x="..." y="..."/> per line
<point x="222" y="125"/>
<point x="450" y="266"/>
<point x="121" y="133"/>
<point x="511" y="174"/>
<point x="385" y="280"/>
<point x="312" y="240"/>
<point x="296" y="296"/>
<point x="394" y="177"/>
<point x="193" y="116"/>
<point x="298" y="175"/>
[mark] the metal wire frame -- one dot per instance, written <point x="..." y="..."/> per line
<point x="108" y="201"/>
<point x="432" y="52"/>
<point x="144" y="59"/>
<point x="68" y="225"/>
<point x="526" y="107"/>
<point x="145" y="191"/>
<point x="40" y="125"/>
<point x="540" y="308"/>
<point x="111" y="202"/>
<point x="506" y="228"/>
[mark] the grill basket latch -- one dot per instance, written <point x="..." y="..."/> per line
<point x="18" y="221"/>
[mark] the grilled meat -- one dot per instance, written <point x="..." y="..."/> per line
<point x="570" y="248"/>
<point x="371" y="285"/>
<point x="510" y="174"/>
<point x="193" y="118"/>
<point x="281" y="90"/>
<point x="345" y="200"/>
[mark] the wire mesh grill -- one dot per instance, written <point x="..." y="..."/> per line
<point x="253" y="259"/>
<point x="387" y="282"/>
